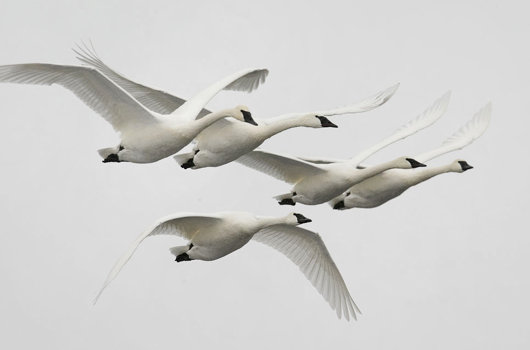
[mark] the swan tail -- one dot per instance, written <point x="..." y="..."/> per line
<point x="285" y="199"/>
<point x="183" y="158"/>
<point x="105" y="152"/>
<point x="283" y="196"/>
<point x="176" y="251"/>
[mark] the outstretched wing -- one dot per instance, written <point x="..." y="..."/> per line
<point x="181" y="225"/>
<point x="428" y="117"/>
<point x="246" y="80"/>
<point x="155" y="100"/>
<point x="317" y="160"/>
<point x="468" y="133"/>
<point x="307" y="250"/>
<point x="288" y="169"/>
<point x="106" y="98"/>
<point x="363" y="106"/>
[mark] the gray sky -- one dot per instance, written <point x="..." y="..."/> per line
<point x="443" y="266"/>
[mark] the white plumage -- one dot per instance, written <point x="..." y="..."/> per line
<point x="145" y="136"/>
<point x="211" y="237"/>
<point x="318" y="180"/>
<point x="383" y="187"/>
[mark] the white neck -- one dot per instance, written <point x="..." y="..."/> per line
<point x="419" y="175"/>
<point x="363" y="174"/>
<point x="266" y="221"/>
<point x="211" y="118"/>
<point x="280" y="124"/>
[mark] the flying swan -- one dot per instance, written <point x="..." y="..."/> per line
<point x="211" y="237"/>
<point x="383" y="187"/>
<point x="146" y="136"/>
<point x="316" y="181"/>
<point x="225" y="140"/>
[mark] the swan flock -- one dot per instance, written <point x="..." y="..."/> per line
<point x="153" y="125"/>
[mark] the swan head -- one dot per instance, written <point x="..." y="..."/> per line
<point x="459" y="166"/>
<point x="409" y="163"/>
<point x="296" y="219"/>
<point x="324" y="122"/>
<point x="243" y="114"/>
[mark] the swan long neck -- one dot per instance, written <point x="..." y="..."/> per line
<point x="423" y="174"/>
<point x="363" y="174"/>
<point x="211" y="118"/>
<point x="266" y="221"/>
<point x="280" y="124"/>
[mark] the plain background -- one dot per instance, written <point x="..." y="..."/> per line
<point x="443" y="266"/>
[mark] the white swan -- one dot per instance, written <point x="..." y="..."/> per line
<point x="318" y="181"/>
<point x="145" y="136"/>
<point x="383" y="187"/>
<point x="211" y="237"/>
<point x="225" y="140"/>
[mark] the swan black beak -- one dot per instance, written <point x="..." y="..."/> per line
<point x="339" y="205"/>
<point x="415" y="163"/>
<point x="465" y="166"/>
<point x="248" y="117"/>
<point x="302" y="219"/>
<point x="326" y="123"/>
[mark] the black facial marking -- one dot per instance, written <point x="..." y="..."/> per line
<point x="111" y="158"/>
<point x="415" y="164"/>
<point x="248" y="117"/>
<point x="325" y="122"/>
<point x="339" y="205"/>
<point x="302" y="219"/>
<point x="121" y="148"/>
<point x="465" y="166"/>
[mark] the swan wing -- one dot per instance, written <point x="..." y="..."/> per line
<point x="365" y="105"/>
<point x="428" y="117"/>
<point x="464" y="136"/>
<point x="246" y="80"/>
<point x="319" y="160"/>
<point x="307" y="250"/>
<point x="103" y="96"/>
<point x="181" y="225"/>
<point x="155" y="100"/>
<point x="288" y="169"/>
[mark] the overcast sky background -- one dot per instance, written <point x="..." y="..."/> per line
<point x="443" y="266"/>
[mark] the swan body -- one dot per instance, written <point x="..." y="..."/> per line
<point x="211" y="237"/>
<point x="319" y="180"/>
<point x="226" y="140"/>
<point x="146" y="136"/>
<point x="389" y="184"/>
<point x="315" y="183"/>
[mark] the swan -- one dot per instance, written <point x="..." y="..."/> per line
<point x="383" y="187"/>
<point x="317" y="182"/>
<point x="146" y="136"/>
<point x="211" y="237"/>
<point x="225" y="141"/>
